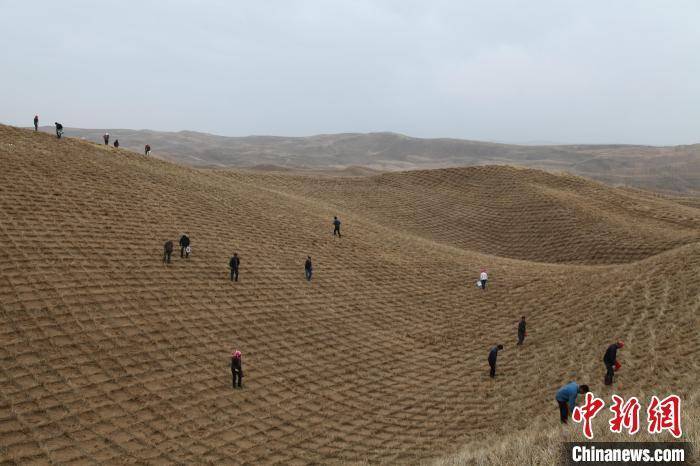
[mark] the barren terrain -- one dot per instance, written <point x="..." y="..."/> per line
<point x="673" y="169"/>
<point x="108" y="355"/>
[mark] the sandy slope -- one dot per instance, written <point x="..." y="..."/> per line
<point x="108" y="355"/>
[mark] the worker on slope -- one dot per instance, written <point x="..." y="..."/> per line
<point x="336" y="227"/>
<point x="493" y="355"/>
<point x="236" y="368"/>
<point x="167" y="251"/>
<point x="483" y="278"/>
<point x="566" y="398"/>
<point x="233" y="264"/>
<point x="184" y="246"/>
<point x="36" y="122"/>
<point x="106" y="138"/>
<point x="610" y="361"/>
<point x="59" y="129"/>
<point x="308" y="268"/>
<point x="147" y="150"/>
<point x="521" y="330"/>
<point x="116" y="143"/>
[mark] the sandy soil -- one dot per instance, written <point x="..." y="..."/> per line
<point x="108" y="355"/>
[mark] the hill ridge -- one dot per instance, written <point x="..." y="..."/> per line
<point x="109" y="355"/>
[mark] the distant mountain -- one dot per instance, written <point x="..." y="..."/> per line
<point x="672" y="169"/>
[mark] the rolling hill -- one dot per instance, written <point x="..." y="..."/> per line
<point x="109" y="355"/>
<point x="668" y="169"/>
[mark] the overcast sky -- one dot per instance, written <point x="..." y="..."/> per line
<point x="511" y="71"/>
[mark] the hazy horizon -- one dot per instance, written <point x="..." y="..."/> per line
<point x="560" y="72"/>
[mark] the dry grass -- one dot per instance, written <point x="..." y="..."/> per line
<point x="107" y="355"/>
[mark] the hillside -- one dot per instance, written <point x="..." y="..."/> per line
<point x="108" y="355"/>
<point x="670" y="169"/>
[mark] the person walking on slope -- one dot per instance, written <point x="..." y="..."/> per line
<point x="59" y="129"/>
<point x="36" y="122"/>
<point x="116" y="143"/>
<point x="167" y="251"/>
<point x="147" y="150"/>
<point x="184" y="246"/>
<point x="106" y="138"/>
<point x="521" y="330"/>
<point x="566" y="398"/>
<point x="233" y="264"/>
<point x="308" y="268"/>
<point x="336" y="227"/>
<point x="610" y="361"/>
<point x="236" y="368"/>
<point x="493" y="355"/>
<point x="483" y="278"/>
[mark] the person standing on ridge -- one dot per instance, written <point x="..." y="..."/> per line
<point x="233" y="264"/>
<point x="493" y="355"/>
<point x="521" y="330"/>
<point x="610" y="361"/>
<point x="59" y="129"/>
<point x="236" y="368"/>
<point x="36" y="122"/>
<point x="167" y="251"/>
<point x="106" y="138"/>
<point x="116" y="143"/>
<point x="147" y="150"/>
<point x="336" y="227"/>
<point x="308" y="268"/>
<point x="566" y="398"/>
<point x="483" y="278"/>
<point x="184" y="244"/>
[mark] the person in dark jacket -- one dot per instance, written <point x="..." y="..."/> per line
<point x="521" y="330"/>
<point x="106" y="138"/>
<point x="308" y="268"/>
<point x="566" y="398"/>
<point x="609" y="359"/>
<point x="336" y="227"/>
<point x="36" y="122"/>
<point x="236" y="369"/>
<point x="234" y="263"/>
<point x="59" y="130"/>
<point x="116" y="143"/>
<point x="147" y="149"/>
<point x="184" y="244"/>
<point x="167" y="251"/>
<point x="493" y="355"/>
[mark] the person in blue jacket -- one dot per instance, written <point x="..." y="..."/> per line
<point x="566" y="397"/>
<point x="336" y="227"/>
